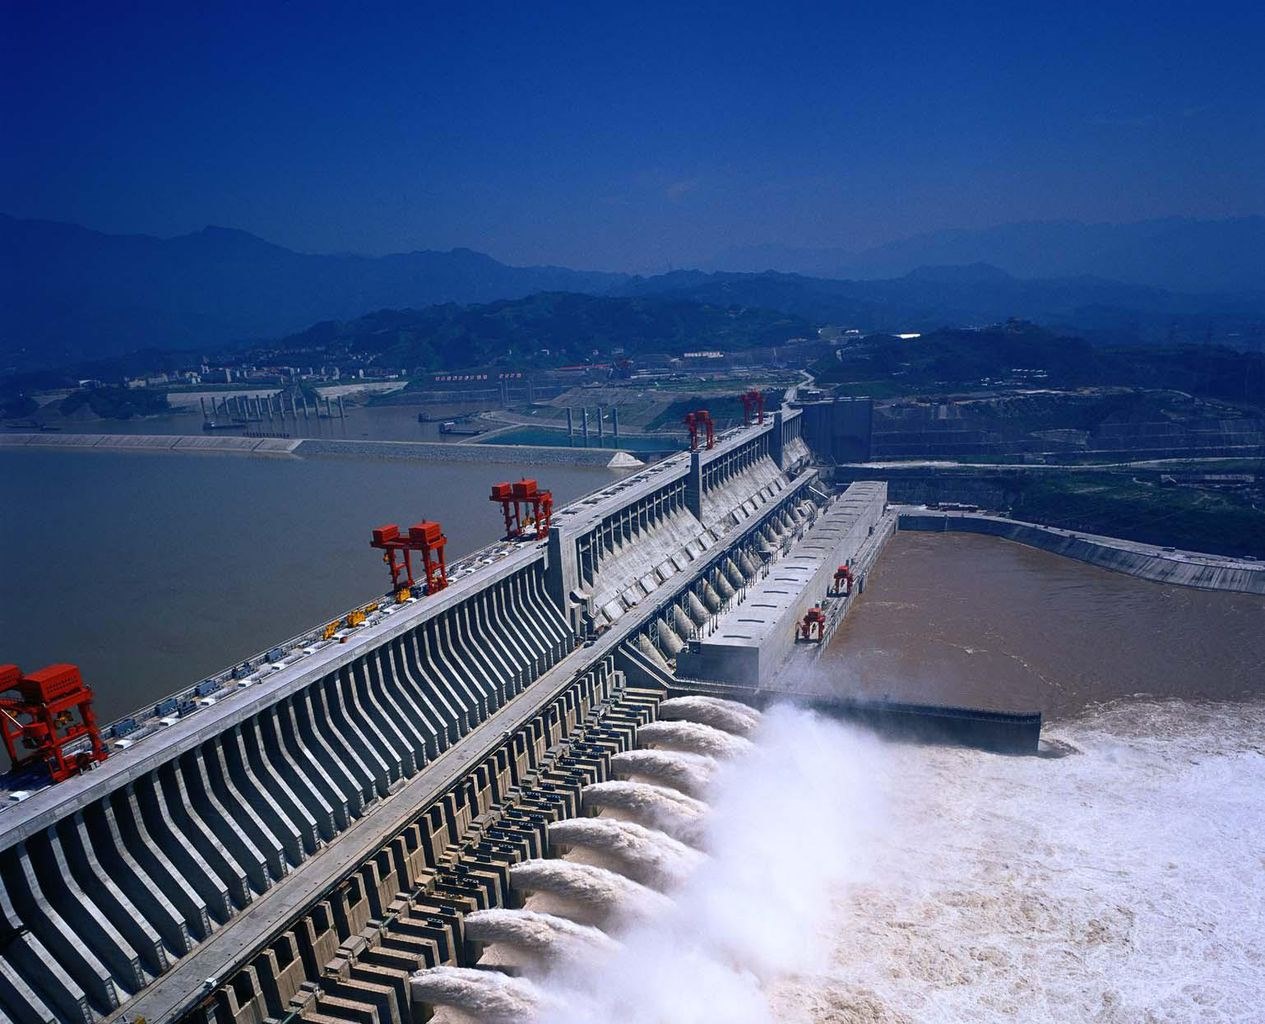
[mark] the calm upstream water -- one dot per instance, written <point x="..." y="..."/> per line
<point x="983" y="622"/>
<point x="372" y="422"/>
<point x="152" y="570"/>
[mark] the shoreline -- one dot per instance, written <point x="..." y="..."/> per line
<point x="1193" y="569"/>
<point x="430" y="451"/>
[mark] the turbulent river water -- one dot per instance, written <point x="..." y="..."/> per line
<point x="964" y="619"/>
<point x="1115" y="879"/>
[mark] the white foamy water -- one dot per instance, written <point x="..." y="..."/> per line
<point x="487" y="996"/>
<point x="543" y="935"/>
<point x="728" y="715"/>
<point x="778" y="836"/>
<point x="1122" y="883"/>
<point x="645" y="855"/>
<point x="856" y="882"/>
<point x="690" y="773"/>
<point x="667" y="810"/>
<point x="594" y="887"/>
<point x="692" y="737"/>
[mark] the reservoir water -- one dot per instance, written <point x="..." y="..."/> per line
<point x="152" y="570"/>
<point x="551" y="436"/>
<point x="372" y="422"/>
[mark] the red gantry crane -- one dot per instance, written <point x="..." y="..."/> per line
<point x="528" y="510"/>
<point x="700" y="421"/>
<point x="752" y="404"/>
<point x="426" y="537"/>
<point x="44" y="713"/>
<point x="813" y="627"/>
<point x="843" y="580"/>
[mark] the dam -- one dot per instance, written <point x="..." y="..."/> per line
<point x="296" y="836"/>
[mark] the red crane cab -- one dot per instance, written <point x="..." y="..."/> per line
<point x="44" y="713"/>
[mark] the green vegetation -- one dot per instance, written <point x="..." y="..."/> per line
<point x="17" y="406"/>
<point x="955" y="360"/>
<point x="116" y="403"/>
<point x="725" y="411"/>
<point x="1185" y="517"/>
<point x="548" y="329"/>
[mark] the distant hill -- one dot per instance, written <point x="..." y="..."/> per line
<point x="946" y="360"/>
<point x="551" y="327"/>
<point x="931" y="297"/>
<point x="1179" y="254"/>
<point x="68" y="293"/>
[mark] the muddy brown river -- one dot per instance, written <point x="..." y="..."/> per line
<point x="984" y="622"/>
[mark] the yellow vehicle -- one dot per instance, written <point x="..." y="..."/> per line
<point x="355" y="618"/>
<point x="328" y="632"/>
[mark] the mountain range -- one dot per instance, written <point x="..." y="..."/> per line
<point x="70" y="294"/>
<point x="1176" y="253"/>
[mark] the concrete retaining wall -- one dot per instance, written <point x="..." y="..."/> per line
<point x="430" y="451"/>
<point x="1182" y="568"/>
<point x="426" y="451"/>
<point x="154" y="442"/>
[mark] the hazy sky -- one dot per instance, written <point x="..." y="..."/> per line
<point x="628" y="136"/>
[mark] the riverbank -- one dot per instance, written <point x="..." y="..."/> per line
<point x="1147" y="561"/>
<point x="424" y="451"/>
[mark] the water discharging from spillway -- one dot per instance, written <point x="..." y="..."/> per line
<point x="671" y="812"/>
<point x="689" y="773"/>
<point x="599" y="891"/>
<point x="545" y="936"/>
<point x="644" y="854"/>
<point x="639" y="886"/>
<point x="693" y="738"/>
<point x="725" y="715"/>
<point x="487" y="996"/>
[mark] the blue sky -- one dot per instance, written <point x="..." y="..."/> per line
<point x="631" y="136"/>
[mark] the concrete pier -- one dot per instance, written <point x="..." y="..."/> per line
<point x="753" y="641"/>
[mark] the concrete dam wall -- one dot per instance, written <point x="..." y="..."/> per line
<point x="299" y="843"/>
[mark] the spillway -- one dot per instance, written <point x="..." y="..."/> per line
<point x="645" y="855"/>
<point x="546" y="936"/>
<point x="296" y="837"/>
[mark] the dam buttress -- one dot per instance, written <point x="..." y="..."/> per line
<point x="297" y="836"/>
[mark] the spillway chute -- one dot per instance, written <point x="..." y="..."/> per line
<point x="727" y="715"/>
<point x="693" y="738"/>
<point x="689" y="773"/>
<point x="667" y="810"/>
<point x="487" y="996"/>
<point x="645" y="855"/>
